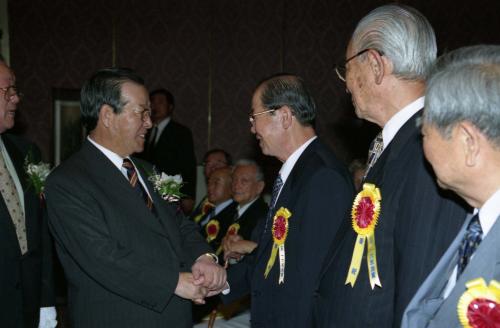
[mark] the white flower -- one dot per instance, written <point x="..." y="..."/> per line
<point x="168" y="186"/>
<point x="37" y="174"/>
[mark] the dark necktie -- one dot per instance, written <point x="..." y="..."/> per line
<point x="152" y="140"/>
<point x="135" y="183"/>
<point x="374" y="152"/>
<point x="472" y="238"/>
<point x="278" y="183"/>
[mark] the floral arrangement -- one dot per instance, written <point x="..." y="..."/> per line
<point x="168" y="186"/>
<point x="37" y="174"/>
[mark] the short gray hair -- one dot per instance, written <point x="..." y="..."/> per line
<point x="465" y="86"/>
<point x="403" y="35"/>
<point x="259" y="174"/>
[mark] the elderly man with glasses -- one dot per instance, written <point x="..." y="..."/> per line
<point x="311" y="196"/>
<point x="26" y="277"/>
<point x="401" y="222"/>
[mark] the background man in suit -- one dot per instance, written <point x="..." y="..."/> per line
<point x="170" y="145"/>
<point x="311" y="196"/>
<point x="214" y="159"/>
<point x="125" y="251"/>
<point x="388" y="59"/>
<point x="247" y="186"/>
<point x="26" y="281"/>
<point x="461" y="129"/>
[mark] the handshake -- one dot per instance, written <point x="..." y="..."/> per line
<point x="206" y="279"/>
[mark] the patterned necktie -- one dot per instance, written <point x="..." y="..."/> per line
<point x="374" y="152"/>
<point x="135" y="183"/>
<point x="472" y="238"/>
<point x="278" y="183"/>
<point x="11" y="198"/>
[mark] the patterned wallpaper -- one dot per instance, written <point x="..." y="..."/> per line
<point x="211" y="54"/>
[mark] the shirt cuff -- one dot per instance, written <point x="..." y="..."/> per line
<point x="227" y="290"/>
<point x="48" y="317"/>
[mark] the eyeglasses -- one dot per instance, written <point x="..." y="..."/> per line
<point x="252" y="116"/>
<point x="10" y="92"/>
<point x="340" y="69"/>
<point x="143" y="113"/>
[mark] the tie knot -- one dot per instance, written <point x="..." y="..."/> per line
<point x="475" y="225"/>
<point x="127" y="163"/>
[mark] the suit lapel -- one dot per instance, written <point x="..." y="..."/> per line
<point x="287" y="195"/>
<point x="484" y="264"/>
<point x="106" y="174"/>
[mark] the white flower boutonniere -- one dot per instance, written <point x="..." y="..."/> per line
<point x="37" y="174"/>
<point x="168" y="186"/>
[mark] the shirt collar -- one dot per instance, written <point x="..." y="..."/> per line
<point x="221" y="206"/>
<point x="292" y="159"/>
<point x="116" y="159"/>
<point x="399" y="119"/>
<point x="489" y="212"/>
<point x="242" y="209"/>
<point x="163" y="123"/>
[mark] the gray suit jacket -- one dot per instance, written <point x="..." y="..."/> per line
<point x="427" y="308"/>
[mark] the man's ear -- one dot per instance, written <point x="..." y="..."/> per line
<point x="106" y="115"/>
<point x="260" y="186"/>
<point x="470" y="138"/>
<point x="286" y="116"/>
<point x="379" y="65"/>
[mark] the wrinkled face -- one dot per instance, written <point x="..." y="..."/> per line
<point x="358" y="82"/>
<point x="160" y="108"/>
<point x="219" y="186"/>
<point x="213" y="162"/>
<point x="443" y="154"/>
<point x="129" y="127"/>
<point x="8" y="104"/>
<point x="266" y="127"/>
<point x="245" y="186"/>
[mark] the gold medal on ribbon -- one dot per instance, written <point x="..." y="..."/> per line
<point x="212" y="229"/>
<point x="365" y="213"/>
<point x="479" y="305"/>
<point x="232" y="230"/>
<point x="280" y="232"/>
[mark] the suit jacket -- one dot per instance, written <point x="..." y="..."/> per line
<point x="427" y="308"/>
<point x="253" y="214"/>
<point x="417" y="223"/>
<point x="121" y="260"/>
<point x="225" y="218"/>
<point x="318" y="193"/>
<point x="174" y="154"/>
<point x="26" y="281"/>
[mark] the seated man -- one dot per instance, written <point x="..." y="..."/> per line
<point x="214" y="159"/>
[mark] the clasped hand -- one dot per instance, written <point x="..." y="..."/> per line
<point x="205" y="279"/>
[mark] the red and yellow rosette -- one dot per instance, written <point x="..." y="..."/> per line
<point x="365" y="213"/>
<point x="205" y="208"/>
<point x="232" y="230"/>
<point x="212" y="229"/>
<point x="280" y="232"/>
<point x="479" y="305"/>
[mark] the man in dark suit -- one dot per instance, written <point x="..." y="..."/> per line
<point x="311" y="196"/>
<point x="247" y="186"/>
<point x="212" y="160"/>
<point x="371" y="276"/>
<point x="26" y="277"/>
<point x="461" y="129"/>
<point x="170" y="145"/>
<point x="127" y="253"/>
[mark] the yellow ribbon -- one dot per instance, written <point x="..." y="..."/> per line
<point x="280" y="232"/>
<point x="212" y="235"/>
<point x="232" y="230"/>
<point x="368" y="197"/>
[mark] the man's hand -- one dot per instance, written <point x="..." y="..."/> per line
<point x="208" y="274"/>
<point x="235" y="247"/>
<point x="188" y="290"/>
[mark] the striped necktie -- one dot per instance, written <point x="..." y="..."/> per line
<point x="278" y="183"/>
<point x="135" y="183"/>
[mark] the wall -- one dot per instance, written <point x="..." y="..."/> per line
<point x="211" y="54"/>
